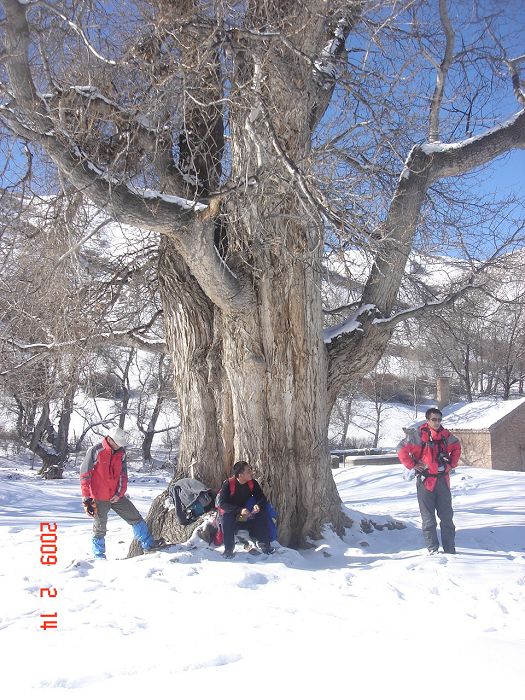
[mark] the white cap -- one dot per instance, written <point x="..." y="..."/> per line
<point x="120" y="437"/>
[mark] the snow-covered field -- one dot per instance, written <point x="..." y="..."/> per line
<point x="369" y="616"/>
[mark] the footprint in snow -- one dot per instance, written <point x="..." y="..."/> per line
<point x="154" y="572"/>
<point x="397" y="592"/>
<point x="502" y="608"/>
<point x="79" y="568"/>
<point x="221" y="660"/>
<point x="253" y="580"/>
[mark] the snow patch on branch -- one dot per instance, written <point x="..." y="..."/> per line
<point x="430" y="148"/>
<point x="350" y="325"/>
<point x="144" y="193"/>
<point x="406" y="169"/>
<point x="74" y="26"/>
<point x="13" y="116"/>
<point x="79" y="153"/>
<point x="94" y="93"/>
<point x="439" y="147"/>
<point x="413" y="310"/>
<point x="48" y="449"/>
<point x="169" y="198"/>
<point x="326" y="66"/>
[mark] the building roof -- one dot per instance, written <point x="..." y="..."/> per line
<point x="481" y="415"/>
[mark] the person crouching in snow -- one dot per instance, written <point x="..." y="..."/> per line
<point x="103" y="482"/>
<point x="433" y="452"/>
<point x="242" y="505"/>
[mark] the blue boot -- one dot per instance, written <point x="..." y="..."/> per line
<point x="99" y="547"/>
<point x="142" y="533"/>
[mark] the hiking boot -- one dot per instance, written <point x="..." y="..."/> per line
<point x="228" y="554"/>
<point x="157" y="544"/>
<point x="432" y="551"/>
<point x="251" y="548"/>
<point x="207" y="533"/>
<point x="266" y="548"/>
<point x="450" y="551"/>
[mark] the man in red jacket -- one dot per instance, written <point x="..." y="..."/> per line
<point x="103" y="481"/>
<point x="433" y="452"/>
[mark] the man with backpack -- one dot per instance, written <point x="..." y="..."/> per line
<point x="242" y="505"/>
<point x="103" y="481"/>
<point x="433" y="452"/>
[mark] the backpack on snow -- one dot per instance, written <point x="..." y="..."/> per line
<point x="188" y="513"/>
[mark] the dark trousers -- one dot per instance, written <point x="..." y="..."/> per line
<point x="257" y="527"/>
<point x="439" y="500"/>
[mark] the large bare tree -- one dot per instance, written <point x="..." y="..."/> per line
<point x="253" y="137"/>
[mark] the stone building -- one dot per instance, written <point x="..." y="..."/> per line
<point x="492" y="433"/>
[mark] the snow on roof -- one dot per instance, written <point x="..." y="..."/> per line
<point x="481" y="415"/>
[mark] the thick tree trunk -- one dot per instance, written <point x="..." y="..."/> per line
<point x="51" y="445"/>
<point x="253" y="386"/>
<point x="146" y="446"/>
<point x="251" y="377"/>
<point x="206" y="450"/>
<point x="150" y="431"/>
<point x="276" y="367"/>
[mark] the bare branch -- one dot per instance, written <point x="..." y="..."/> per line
<point x="516" y="78"/>
<point x="512" y="65"/>
<point x="176" y="217"/>
<point x="427" y="307"/>
<point x="465" y="156"/>
<point x="84" y="239"/>
<point x="442" y="72"/>
<point x="122" y="339"/>
<point x="426" y="164"/>
<point x="74" y="26"/>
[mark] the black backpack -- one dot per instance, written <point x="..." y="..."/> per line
<point x="186" y="515"/>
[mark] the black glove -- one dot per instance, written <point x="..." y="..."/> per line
<point x="90" y="507"/>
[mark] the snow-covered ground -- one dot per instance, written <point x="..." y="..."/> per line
<point x="369" y="616"/>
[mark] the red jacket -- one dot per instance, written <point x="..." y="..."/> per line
<point x="423" y="445"/>
<point x="104" y="473"/>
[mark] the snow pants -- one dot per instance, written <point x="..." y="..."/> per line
<point x="257" y="527"/>
<point x="439" y="500"/>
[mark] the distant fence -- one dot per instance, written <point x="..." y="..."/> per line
<point x="355" y="457"/>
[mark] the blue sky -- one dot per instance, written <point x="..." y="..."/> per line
<point x="507" y="174"/>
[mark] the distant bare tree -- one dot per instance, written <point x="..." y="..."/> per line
<point x="156" y="389"/>
<point x="483" y="340"/>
